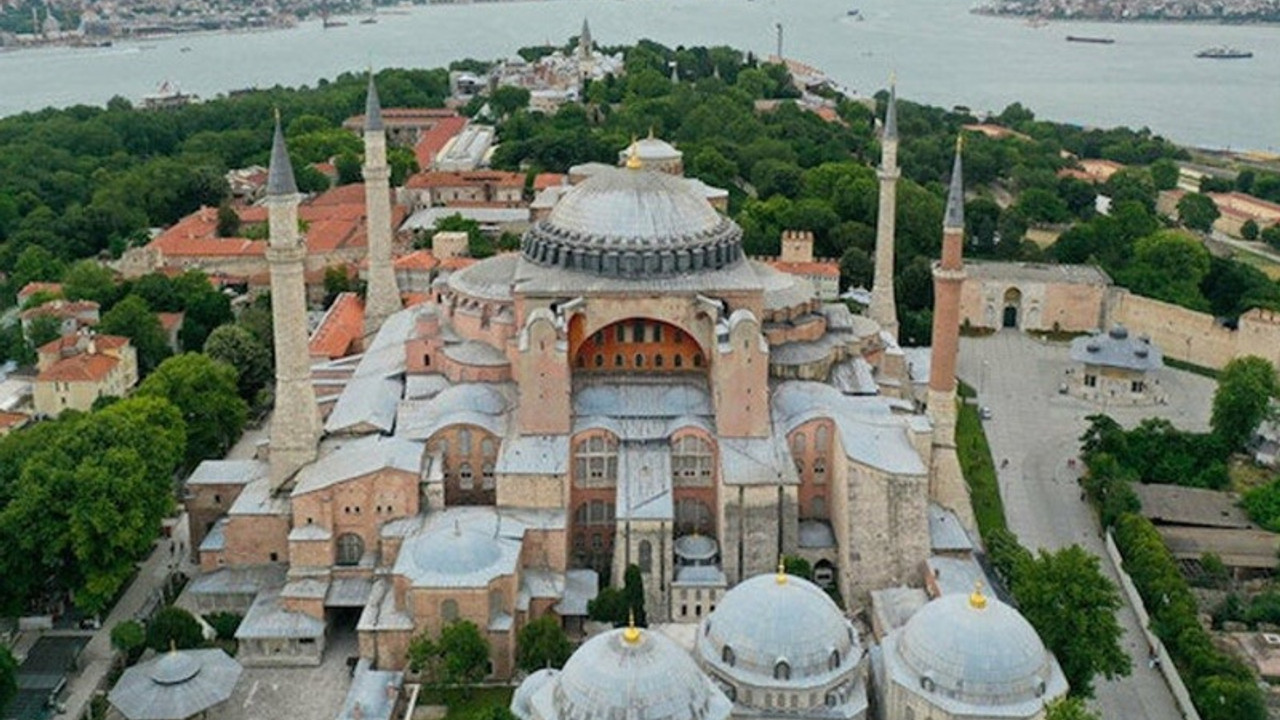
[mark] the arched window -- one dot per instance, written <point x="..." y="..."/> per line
<point x="691" y="461"/>
<point x="820" y="438"/>
<point x="798" y="442"/>
<point x="833" y="661"/>
<point x="599" y="360"/>
<point x="697" y="359"/>
<point x="486" y="477"/>
<point x="497" y="604"/>
<point x="657" y="360"/>
<point x="466" y="478"/>
<point x="487" y="447"/>
<point x="464" y="441"/>
<point x="693" y="516"/>
<point x="782" y="670"/>
<point x="617" y="360"/>
<point x="449" y="611"/>
<point x="646" y="556"/>
<point x="596" y="462"/>
<point x="819" y="507"/>
<point x="727" y="656"/>
<point x="639" y="360"/>
<point x="350" y="549"/>
<point x="678" y="360"/>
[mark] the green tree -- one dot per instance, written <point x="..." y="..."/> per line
<point x="856" y="268"/>
<point x="128" y="637"/>
<point x="1044" y="206"/>
<point x="237" y="347"/>
<point x="89" y="280"/>
<point x="224" y="623"/>
<point x="1072" y="605"/>
<point x="1271" y="236"/>
<point x="542" y="644"/>
<point x="1169" y="266"/>
<point x="1245" y="389"/>
<point x="1198" y="211"/>
<point x="633" y="592"/>
<point x="464" y="653"/>
<point x="1132" y="184"/>
<point x="8" y="677"/>
<point x="507" y="99"/>
<point x="36" y="264"/>
<point x="133" y="319"/>
<point x="205" y="392"/>
<point x="1249" y="230"/>
<point x="348" y="166"/>
<point x="1069" y="708"/>
<point x="1164" y="174"/>
<point x="43" y="329"/>
<point x="797" y="566"/>
<point x="228" y="221"/>
<point x="173" y="627"/>
<point x="1263" y="505"/>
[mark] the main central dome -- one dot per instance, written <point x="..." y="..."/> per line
<point x="634" y="223"/>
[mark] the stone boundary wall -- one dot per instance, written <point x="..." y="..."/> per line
<point x="1167" y="669"/>
<point x="1196" y="337"/>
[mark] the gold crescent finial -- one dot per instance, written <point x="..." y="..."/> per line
<point x="633" y="158"/>
<point x="782" y="571"/>
<point x="173" y="645"/>
<point x="632" y="634"/>
<point x="977" y="600"/>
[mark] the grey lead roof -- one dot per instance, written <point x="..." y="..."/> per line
<point x="175" y="685"/>
<point x="361" y="457"/>
<point x="955" y="195"/>
<point x="227" y="472"/>
<point x="869" y="431"/>
<point x="280" y="181"/>
<point x="1117" y="348"/>
<point x="372" y="108"/>
<point x="371" y="691"/>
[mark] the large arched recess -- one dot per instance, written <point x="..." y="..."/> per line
<point x="638" y="344"/>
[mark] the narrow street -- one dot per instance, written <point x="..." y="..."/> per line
<point x="1037" y="431"/>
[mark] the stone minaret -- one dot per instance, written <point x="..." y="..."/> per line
<point x="383" y="295"/>
<point x="584" y="41"/>
<point x="883" y="309"/>
<point x="295" y="423"/>
<point x="947" y="485"/>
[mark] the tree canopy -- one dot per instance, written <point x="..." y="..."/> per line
<point x="206" y="392"/>
<point x="542" y="644"/>
<point x="1246" y="387"/>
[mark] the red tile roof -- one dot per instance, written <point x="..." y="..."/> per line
<point x="417" y="260"/>
<point x="819" y="268"/>
<point x="456" y="263"/>
<point x="80" y="368"/>
<point x="470" y="178"/>
<point x="169" y="320"/>
<point x="542" y="181"/>
<point x="9" y="420"/>
<point x="434" y="140"/>
<point x="62" y="309"/>
<point x="32" y="288"/>
<point x="102" y="342"/>
<point x="340" y="329"/>
<point x="412" y="298"/>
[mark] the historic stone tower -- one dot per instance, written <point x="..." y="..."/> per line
<point x="295" y="424"/>
<point x="883" y="309"/>
<point x="948" y="486"/>
<point x="383" y="296"/>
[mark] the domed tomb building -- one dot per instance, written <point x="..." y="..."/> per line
<point x="967" y="657"/>
<point x="778" y="644"/>
<point x="627" y="389"/>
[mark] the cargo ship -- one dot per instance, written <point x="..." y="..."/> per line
<point x="1088" y="39"/>
<point x="1224" y="53"/>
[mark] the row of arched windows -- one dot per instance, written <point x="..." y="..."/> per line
<point x="640" y="360"/>
<point x="781" y="668"/>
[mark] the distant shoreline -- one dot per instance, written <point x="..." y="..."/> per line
<point x="1225" y="22"/>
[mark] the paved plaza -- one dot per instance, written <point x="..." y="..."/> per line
<point x="306" y="693"/>
<point x="1037" y="431"/>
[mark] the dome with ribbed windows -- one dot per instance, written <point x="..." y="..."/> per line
<point x="634" y="223"/>
<point x="777" y="627"/>
<point x="626" y="673"/>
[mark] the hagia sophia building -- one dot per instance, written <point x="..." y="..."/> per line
<point x="627" y="389"/>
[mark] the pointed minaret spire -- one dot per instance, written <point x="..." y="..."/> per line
<point x="584" y="39"/>
<point x="280" y="180"/>
<point x="295" y="420"/>
<point x="382" y="298"/>
<point x="955" y="194"/>
<point x="946" y="481"/>
<point x="883" y="307"/>
<point x="372" y="108"/>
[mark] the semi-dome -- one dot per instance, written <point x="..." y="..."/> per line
<point x="522" y="699"/>
<point x="634" y="223"/>
<point x="461" y="547"/>
<point x="778" y="627"/>
<point x="629" y="673"/>
<point x="976" y="650"/>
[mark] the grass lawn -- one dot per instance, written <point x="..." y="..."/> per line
<point x="978" y="467"/>
<point x="1265" y="264"/>
<point x="1246" y="476"/>
<point x="464" y="705"/>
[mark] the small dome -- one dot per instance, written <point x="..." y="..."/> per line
<point x="175" y="667"/>
<point x="652" y="149"/>
<point x="631" y="673"/>
<point x="977" y="650"/>
<point x="460" y="550"/>
<point x="696" y="548"/>
<point x="634" y="223"/>
<point x="777" y="618"/>
<point x="522" y="700"/>
<point x="1119" y="332"/>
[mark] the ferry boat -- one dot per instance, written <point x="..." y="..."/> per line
<point x="1090" y="39"/>
<point x="1224" y="53"/>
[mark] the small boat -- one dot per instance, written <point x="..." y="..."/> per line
<point x="369" y="21"/>
<point x="1224" y="53"/>
<point x="184" y="48"/>
<point x="853" y="13"/>
<point x="1090" y="39"/>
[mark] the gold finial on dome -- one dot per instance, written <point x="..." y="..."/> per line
<point x="631" y="635"/>
<point x="977" y="600"/>
<point x="633" y="157"/>
<point x="782" y="571"/>
<point x="960" y="142"/>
